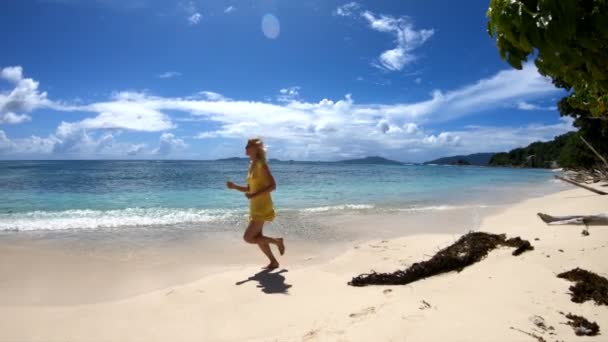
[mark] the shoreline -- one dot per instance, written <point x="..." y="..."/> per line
<point x="313" y="302"/>
<point x="87" y="267"/>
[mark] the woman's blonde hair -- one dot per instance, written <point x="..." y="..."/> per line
<point x="261" y="149"/>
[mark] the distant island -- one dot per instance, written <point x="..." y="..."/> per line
<point x="371" y="160"/>
<point x="566" y="150"/>
<point x="231" y="159"/>
<point x="366" y="160"/>
<point x="478" y="159"/>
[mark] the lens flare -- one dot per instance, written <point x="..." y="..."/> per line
<point x="271" y="26"/>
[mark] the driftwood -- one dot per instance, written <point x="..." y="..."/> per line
<point x="592" y="175"/>
<point x="581" y="185"/>
<point x="601" y="219"/>
<point x="588" y="176"/>
<point x="589" y="286"/>
<point x="469" y="249"/>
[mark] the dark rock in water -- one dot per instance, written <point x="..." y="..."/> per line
<point x="581" y="326"/>
<point x="589" y="286"/>
<point x="468" y="250"/>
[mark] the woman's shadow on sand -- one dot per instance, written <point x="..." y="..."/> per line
<point x="269" y="282"/>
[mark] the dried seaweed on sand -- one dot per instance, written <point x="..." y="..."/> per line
<point x="582" y="326"/>
<point x="468" y="250"/>
<point x="589" y="286"/>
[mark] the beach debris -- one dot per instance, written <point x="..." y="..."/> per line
<point x="425" y="305"/>
<point x="589" y="286"/>
<point x="364" y="312"/>
<point x="469" y="249"/>
<point x="599" y="219"/>
<point x="537" y="337"/>
<point x="311" y="335"/>
<point x="387" y="291"/>
<point x="540" y="328"/>
<point x="539" y="322"/>
<point x="582" y="326"/>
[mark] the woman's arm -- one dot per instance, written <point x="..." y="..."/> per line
<point x="231" y="185"/>
<point x="272" y="185"/>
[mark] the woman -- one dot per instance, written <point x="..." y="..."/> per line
<point x="259" y="185"/>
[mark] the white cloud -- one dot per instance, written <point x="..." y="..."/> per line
<point x="288" y="94"/>
<point x="213" y="96"/>
<point x="34" y="145"/>
<point x="498" y="139"/>
<point x="347" y="10"/>
<point x="523" y="105"/>
<point x="290" y="91"/>
<point x="23" y="98"/>
<point x="506" y="86"/>
<point x="230" y="9"/>
<point x="5" y="143"/>
<point x="69" y="140"/>
<point x="410" y="128"/>
<point x="168" y="144"/>
<point x="194" y="18"/>
<point x="169" y="74"/>
<point x="126" y="111"/>
<point x="12" y="118"/>
<point x="135" y="149"/>
<point x="332" y="122"/>
<point x="105" y="142"/>
<point x="325" y="129"/>
<point x="192" y="14"/>
<point x="406" y="37"/>
<point x="12" y="74"/>
<point x="442" y="139"/>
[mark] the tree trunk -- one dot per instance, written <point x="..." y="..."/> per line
<point x="581" y="185"/>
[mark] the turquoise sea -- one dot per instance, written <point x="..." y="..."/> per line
<point x="169" y="195"/>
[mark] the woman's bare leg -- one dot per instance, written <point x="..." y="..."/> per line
<point x="274" y="263"/>
<point x="254" y="234"/>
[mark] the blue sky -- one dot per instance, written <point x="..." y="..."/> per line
<point x="317" y="80"/>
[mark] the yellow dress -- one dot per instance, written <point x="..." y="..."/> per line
<point x="260" y="207"/>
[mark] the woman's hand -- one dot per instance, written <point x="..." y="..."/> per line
<point x="230" y="185"/>
<point x="250" y="195"/>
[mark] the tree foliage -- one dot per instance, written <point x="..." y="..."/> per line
<point x="567" y="38"/>
<point x="565" y="150"/>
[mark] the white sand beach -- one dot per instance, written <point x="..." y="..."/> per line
<point x="497" y="299"/>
